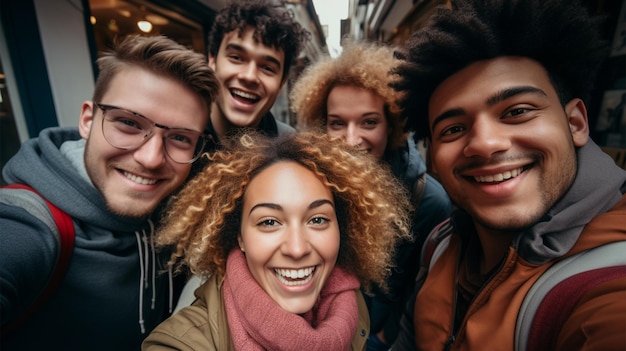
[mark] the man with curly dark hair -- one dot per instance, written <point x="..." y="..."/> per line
<point x="252" y="46"/>
<point x="498" y="88"/>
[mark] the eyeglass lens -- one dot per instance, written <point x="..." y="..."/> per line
<point x="126" y="130"/>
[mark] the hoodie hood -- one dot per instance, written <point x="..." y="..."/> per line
<point x="43" y="164"/>
<point x="599" y="185"/>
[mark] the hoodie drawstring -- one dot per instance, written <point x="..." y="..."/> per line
<point x="147" y="251"/>
<point x="141" y="281"/>
<point x="151" y="239"/>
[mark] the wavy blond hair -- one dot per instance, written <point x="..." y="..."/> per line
<point x="203" y="220"/>
<point x="360" y="64"/>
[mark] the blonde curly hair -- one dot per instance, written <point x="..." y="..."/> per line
<point x="204" y="219"/>
<point x="360" y="64"/>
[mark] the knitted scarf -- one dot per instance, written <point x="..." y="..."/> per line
<point x="257" y="322"/>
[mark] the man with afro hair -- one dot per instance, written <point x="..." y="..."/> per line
<point x="497" y="87"/>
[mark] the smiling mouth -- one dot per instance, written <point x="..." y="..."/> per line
<point x="294" y="277"/>
<point x="252" y="98"/>
<point x="139" y="180"/>
<point x="499" y="177"/>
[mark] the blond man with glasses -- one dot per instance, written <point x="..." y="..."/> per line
<point x="135" y="145"/>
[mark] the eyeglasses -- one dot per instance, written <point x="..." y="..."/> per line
<point x="128" y="130"/>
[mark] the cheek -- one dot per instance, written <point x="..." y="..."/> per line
<point x="382" y="137"/>
<point x="181" y="170"/>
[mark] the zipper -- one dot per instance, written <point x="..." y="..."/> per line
<point x="453" y="331"/>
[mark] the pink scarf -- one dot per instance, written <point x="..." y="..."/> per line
<point x="257" y="322"/>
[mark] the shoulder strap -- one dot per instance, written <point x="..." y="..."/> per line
<point x="435" y="244"/>
<point x="552" y="297"/>
<point x="418" y="190"/>
<point x="67" y="237"/>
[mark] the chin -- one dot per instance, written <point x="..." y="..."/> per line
<point x="296" y="308"/>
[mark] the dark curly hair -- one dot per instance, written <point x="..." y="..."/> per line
<point x="273" y="25"/>
<point x="559" y="34"/>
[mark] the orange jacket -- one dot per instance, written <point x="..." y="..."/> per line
<point x="598" y="322"/>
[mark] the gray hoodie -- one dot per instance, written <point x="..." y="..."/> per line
<point x="113" y="293"/>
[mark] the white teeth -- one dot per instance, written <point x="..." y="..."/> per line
<point x="499" y="177"/>
<point x="139" y="180"/>
<point x="245" y="95"/>
<point x="288" y="276"/>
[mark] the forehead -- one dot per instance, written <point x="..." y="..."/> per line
<point x="286" y="182"/>
<point x="245" y="40"/>
<point x="345" y="96"/>
<point x="161" y="98"/>
<point x="480" y="80"/>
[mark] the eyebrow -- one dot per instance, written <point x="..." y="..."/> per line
<point x="312" y="205"/>
<point x="492" y="100"/>
<point x="105" y="107"/>
<point x="237" y="47"/>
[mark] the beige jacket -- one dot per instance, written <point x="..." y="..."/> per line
<point x="203" y="325"/>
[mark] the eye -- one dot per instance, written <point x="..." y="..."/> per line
<point x="515" y="112"/>
<point x="270" y="69"/>
<point x="319" y="221"/>
<point x="335" y="123"/>
<point x="371" y="123"/>
<point x="452" y="130"/>
<point x="181" y="140"/>
<point x="235" y="58"/>
<point x="268" y="222"/>
<point x="125" y="122"/>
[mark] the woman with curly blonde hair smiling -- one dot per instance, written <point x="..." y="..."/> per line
<point x="286" y="231"/>
<point x="349" y="97"/>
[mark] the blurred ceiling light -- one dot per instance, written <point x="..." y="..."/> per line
<point x="92" y="19"/>
<point x="144" y="26"/>
<point x="157" y="20"/>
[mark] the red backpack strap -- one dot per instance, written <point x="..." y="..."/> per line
<point x="554" y="295"/>
<point x="67" y="236"/>
<point x="558" y="304"/>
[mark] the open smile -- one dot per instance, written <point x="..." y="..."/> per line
<point x="251" y="98"/>
<point x="294" y="277"/>
<point x="500" y="177"/>
<point x="139" y="180"/>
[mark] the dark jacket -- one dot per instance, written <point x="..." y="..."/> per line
<point x="432" y="207"/>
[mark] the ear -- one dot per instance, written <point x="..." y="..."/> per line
<point x="85" y="121"/>
<point x="212" y="62"/>
<point x="282" y="83"/>
<point x="577" y="119"/>
<point x="240" y="243"/>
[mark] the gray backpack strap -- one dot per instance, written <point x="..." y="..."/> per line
<point x="32" y="203"/>
<point x="608" y="255"/>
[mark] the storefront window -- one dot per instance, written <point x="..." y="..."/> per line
<point x="112" y="19"/>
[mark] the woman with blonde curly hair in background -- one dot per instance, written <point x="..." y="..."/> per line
<point x="286" y="231"/>
<point x="349" y="97"/>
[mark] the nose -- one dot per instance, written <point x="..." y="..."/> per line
<point x="151" y="154"/>
<point x="250" y="72"/>
<point x="353" y="136"/>
<point x="486" y="138"/>
<point x="296" y="244"/>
